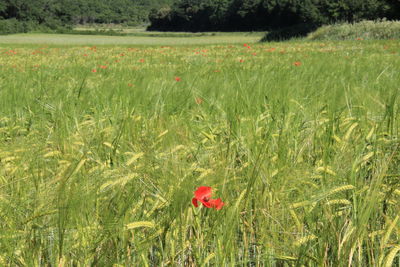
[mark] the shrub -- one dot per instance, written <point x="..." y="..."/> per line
<point x="297" y="31"/>
<point x="366" y="30"/>
<point x="10" y="26"/>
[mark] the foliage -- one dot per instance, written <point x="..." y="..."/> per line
<point x="206" y="15"/>
<point x="8" y="26"/>
<point x="101" y="149"/>
<point x="282" y="34"/>
<point x="365" y="30"/>
<point x="58" y="14"/>
<point x="192" y="15"/>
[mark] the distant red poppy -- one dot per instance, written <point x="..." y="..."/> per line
<point x="37" y="52"/>
<point x="141" y="60"/>
<point x="103" y="67"/>
<point x="241" y="61"/>
<point x="177" y="79"/>
<point x="203" y="195"/>
<point x="199" y="100"/>
<point x="11" y="52"/>
<point x="297" y="63"/>
<point x="94" y="70"/>
<point x="245" y="45"/>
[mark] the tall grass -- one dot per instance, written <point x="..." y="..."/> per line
<point x="363" y="30"/>
<point x="101" y="150"/>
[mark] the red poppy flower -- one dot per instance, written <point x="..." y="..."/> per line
<point x="94" y="70"/>
<point x="177" y="79"/>
<point x="297" y="63"/>
<point x="199" y="100"/>
<point x="216" y="203"/>
<point x="203" y="195"/>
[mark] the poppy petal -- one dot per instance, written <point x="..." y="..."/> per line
<point x="194" y="201"/>
<point x="206" y="204"/>
<point x="203" y="193"/>
<point x="216" y="203"/>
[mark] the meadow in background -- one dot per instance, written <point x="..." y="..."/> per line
<point x="102" y="147"/>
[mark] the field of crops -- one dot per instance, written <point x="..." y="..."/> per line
<point x="138" y="38"/>
<point x="102" y="148"/>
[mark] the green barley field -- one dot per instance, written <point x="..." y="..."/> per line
<point x="103" y="143"/>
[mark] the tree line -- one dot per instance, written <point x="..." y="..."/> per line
<point x="23" y="15"/>
<point x="251" y="15"/>
<point x="191" y="15"/>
